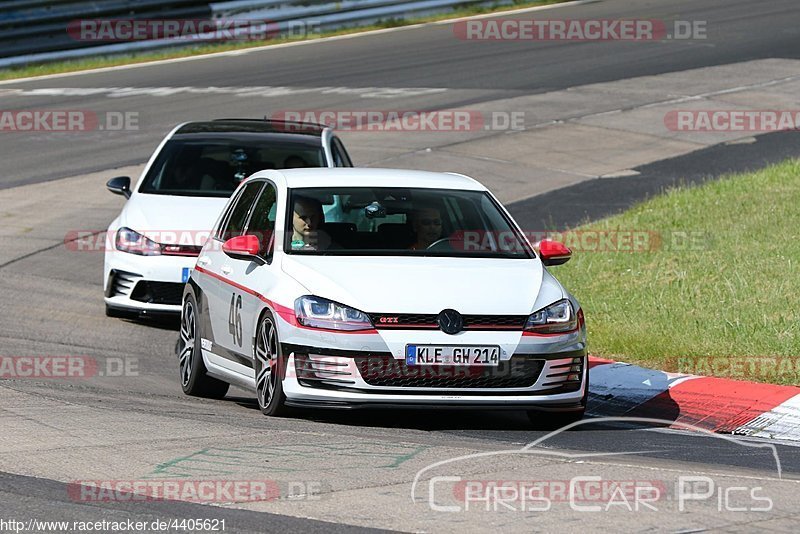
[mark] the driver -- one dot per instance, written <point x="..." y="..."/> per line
<point x="307" y="218"/>
<point x="427" y="225"/>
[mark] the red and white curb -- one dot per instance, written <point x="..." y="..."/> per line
<point x="716" y="404"/>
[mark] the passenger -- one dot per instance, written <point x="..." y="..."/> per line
<point x="427" y="225"/>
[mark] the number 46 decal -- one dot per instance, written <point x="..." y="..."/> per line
<point x="235" y="319"/>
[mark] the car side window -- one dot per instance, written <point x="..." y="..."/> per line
<point x="225" y="216"/>
<point x="340" y="156"/>
<point x="262" y="221"/>
<point x="238" y="217"/>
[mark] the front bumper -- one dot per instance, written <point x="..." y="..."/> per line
<point x="368" y="369"/>
<point x="146" y="284"/>
<point x="341" y="382"/>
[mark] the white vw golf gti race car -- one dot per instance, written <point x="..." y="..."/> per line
<point x="154" y="242"/>
<point x="343" y="288"/>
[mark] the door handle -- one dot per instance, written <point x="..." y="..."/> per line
<point x="226" y="269"/>
<point x="203" y="261"/>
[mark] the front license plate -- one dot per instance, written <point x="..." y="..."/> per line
<point x="482" y="355"/>
<point x="185" y="274"/>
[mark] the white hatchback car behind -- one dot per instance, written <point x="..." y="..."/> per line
<point x="153" y="244"/>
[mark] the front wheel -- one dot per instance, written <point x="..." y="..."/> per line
<point x="194" y="378"/>
<point x="270" y="368"/>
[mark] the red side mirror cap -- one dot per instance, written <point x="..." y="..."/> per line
<point x="553" y="252"/>
<point x="243" y="245"/>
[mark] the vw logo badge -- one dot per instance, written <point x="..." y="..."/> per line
<point x="450" y="321"/>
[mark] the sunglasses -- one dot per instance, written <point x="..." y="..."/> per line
<point x="430" y="222"/>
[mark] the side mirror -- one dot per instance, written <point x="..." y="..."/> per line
<point x="553" y="252"/>
<point x="121" y="185"/>
<point x="243" y="247"/>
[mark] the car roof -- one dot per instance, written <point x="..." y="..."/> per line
<point x="243" y="137"/>
<point x="371" y="177"/>
<point x="255" y="126"/>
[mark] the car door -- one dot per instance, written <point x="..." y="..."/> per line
<point x="258" y="275"/>
<point x="224" y="293"/>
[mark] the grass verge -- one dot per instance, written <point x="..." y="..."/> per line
<point x="187" y="51"/>
<point x="715" y="291"/>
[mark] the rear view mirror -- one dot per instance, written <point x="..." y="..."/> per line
<point x="243" y="247"/>
<point x="375" y="211"/>
<point x="121" y="185"/>
<point x="553" y="252"/>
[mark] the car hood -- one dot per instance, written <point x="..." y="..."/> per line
<point x="190" y="218"/>
<point x="421" y="285"/>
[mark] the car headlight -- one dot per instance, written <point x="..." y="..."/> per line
<point x="316" y="312"/>
<point x="135" y="243"/>
<point x="557" y="318"/>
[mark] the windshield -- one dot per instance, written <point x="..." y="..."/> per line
<point x="368" y="221"/>
<point x="215" y="167"/>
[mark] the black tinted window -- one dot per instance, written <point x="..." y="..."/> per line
<point x="340" y="156"/>
<point x="216" y="167"/>
<point x="371" y="221"/>
<point x="262" y="221"/>
<point x="241" y="210"/>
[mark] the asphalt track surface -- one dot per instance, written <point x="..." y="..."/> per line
<point x="570" y="206"/>
<point x="425" y="57"/>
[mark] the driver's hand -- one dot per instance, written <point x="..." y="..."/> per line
<point x="311" y="238"/>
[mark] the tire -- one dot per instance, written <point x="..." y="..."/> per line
<point x="194" y="378"/>
<point x="120" y="314"/>
<point x="270" y="368"/>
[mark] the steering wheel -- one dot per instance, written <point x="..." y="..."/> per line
<point x="437" y="244"/>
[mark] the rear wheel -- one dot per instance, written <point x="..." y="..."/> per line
<point x="270" y="368"/>
<point x="194" y="378"/>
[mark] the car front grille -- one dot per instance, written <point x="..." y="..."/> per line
<point x="519" y="372"/>
<point x="121" y="283"/>
<point x="494" y="322"/>
<point x="417" y="321"/>
<point x="314" y="370"/>
<point x="565" y="377"/>
<point x="158" y="292"/>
